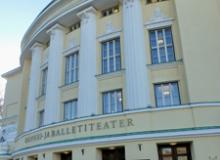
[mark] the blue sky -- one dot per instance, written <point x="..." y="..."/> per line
<point x="15" y="18"/>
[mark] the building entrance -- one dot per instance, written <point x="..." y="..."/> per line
<point x="113" y="153"/>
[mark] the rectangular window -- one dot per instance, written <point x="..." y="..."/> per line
<point x="70" y="110"/>
<point x="41" y="118"/>
<point x="110" y="11"/>
<point x="111" y="56"/>
<point x="72" y="68"/>
<point x="112" y="101"/>
<point x="162" y="49"/>
<point x="167" y="94"/>
<point x="174" y="151"/>
<point x="44" y="81"/>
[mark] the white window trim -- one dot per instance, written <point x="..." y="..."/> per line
<point x="159" y="24"/>
<point x="108" y="55"/>
<point x="165" y="45"/>
<point x="72" y="70"/>
<point x="158" y="20"/>
<point x="71" y="50"/>
<point x="108" y="36"/>
<point x="112" y="109"/>
<point x="70" y="102"/>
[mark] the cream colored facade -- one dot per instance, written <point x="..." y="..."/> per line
<point x="142" y="127"/>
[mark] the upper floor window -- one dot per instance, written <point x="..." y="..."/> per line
<point x="110" y="11"/>
<point x="112" y="101"/>
<point x="41" y="118"/>
<point x="162" y="49"/>
<point x="154" y="1"/>
<point x="76" y="26"/>
<point x="72" y="68"/>
<point x="111" y="56"/>
<point x="167" y="94"/>
<point x="44" y="81"/>
<point x="70" y="109"/>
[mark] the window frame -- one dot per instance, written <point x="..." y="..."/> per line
<point x="174" y="153"/>
<point x="164" y="83"/>
<point x="41" y="118"/>
<point x="69" y="68"/>
<point x="75" y="101"/>
<point x="114" y="55"/>
<point x="44" y="77"/>
<point x="109" y="100"/>
<point x="165" y="46"/>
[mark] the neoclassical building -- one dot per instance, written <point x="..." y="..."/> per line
<point x="116" y="80"/>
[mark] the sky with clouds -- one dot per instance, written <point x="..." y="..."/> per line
<point x="15" y="18"/>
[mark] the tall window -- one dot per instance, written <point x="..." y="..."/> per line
<point x="44" y="81"/>
<point x="174" y="151"/>
<point x="112" y="101"/>
<point x="41" y="118"/>
<point x="72" y="68"/>
<point x="162" y="49"/>
<point x="70" y="109"/>
<point x="167" y="94"/>
<point x="111" y="56"/>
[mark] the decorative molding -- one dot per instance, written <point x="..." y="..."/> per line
<point x="72" y="43"/>
<point x="37" y="45"/>
<point x="159" y="19"/>
<point x="151" y="135"/>
<point x="107" y="36"/>
<point x="163" y="66"/>
<point x="56" y="27"/>
<point x="12" y="72"/>
<point x="110" y="32"/>
<point x="69" y="86"/>
<point x="85" y="14"/>
<point x="109" y="28"/>
<point x="71" y="50"/>
<point x="127" y="112"/>
<point x="110" y="75"/>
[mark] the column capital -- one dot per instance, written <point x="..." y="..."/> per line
<point x="85" y="13"/>
<point x="37" y="45"/>
<point x="57" y="27"/>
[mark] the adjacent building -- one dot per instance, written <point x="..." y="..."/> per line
<point x="116" y="80"/>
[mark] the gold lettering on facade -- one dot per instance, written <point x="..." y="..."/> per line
<point x="82" y="128"/>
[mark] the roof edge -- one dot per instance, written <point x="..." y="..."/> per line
<point x="12" y="72"/>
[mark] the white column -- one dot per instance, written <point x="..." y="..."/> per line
<point x="137" y="83"/>
<point x="34" y="82"/>
<point x="87" y="104"/>
<point x="52" y="102"/>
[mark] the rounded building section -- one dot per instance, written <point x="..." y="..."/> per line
<point x="114" y="79"/>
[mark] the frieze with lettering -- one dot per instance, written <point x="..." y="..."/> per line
<point x="81" y="128"/>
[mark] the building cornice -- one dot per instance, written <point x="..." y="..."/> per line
<point x="11" y="72"/>
<point x="42" y="23"/>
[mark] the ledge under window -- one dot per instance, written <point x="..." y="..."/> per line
<point x="69" y="86"/>
<point x="110" y="75"/>
<point x="167" y="65"/>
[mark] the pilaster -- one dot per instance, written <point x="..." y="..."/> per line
<point x="34" y="82"/>
<point x="52" y="102"/>
<point x="87" y="103"/>
<point x="137" y="82"/>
